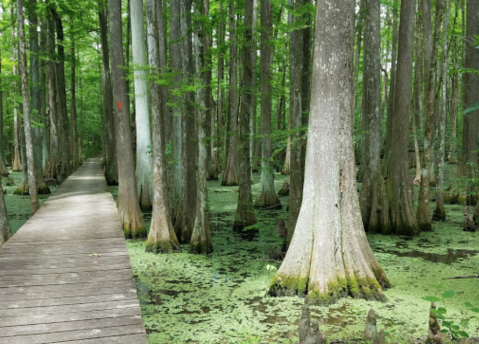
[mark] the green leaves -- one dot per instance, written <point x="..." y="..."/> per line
<point x="448" y="294"/>
<point x="431" y="298"/>
<point x="471" y="108"/>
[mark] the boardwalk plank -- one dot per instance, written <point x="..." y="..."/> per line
<point x="52" y="289"/>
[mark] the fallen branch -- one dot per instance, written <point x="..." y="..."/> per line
<point x="459" y="277"/>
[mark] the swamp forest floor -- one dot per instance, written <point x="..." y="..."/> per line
<point x="221" y="298"/>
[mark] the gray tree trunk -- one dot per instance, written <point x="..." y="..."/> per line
<point x="373" y="199"/>
<point x="144" y="167"/>
<point x="111" y="166"/>
<point x="245" y="212"/>
<point x="162" y="237"/>
<point x="267" y="197"/>
<point x="231" y="172"/>
<point x="403" y="221"/>
<point x="128" y="205"/>
<point x="22" y="54"/>
<point x="329" y="256"/>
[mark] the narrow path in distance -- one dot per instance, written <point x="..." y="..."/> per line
<point x="65" y="276"/>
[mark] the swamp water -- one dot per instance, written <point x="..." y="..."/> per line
<point x="222" y="298"/>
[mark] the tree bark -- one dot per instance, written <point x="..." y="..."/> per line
<point x="296" y="46"/>
<point x="144" y="167"/>
<point x="329" y="256"/>
<point x="62" y="118"/>
<point x="22" y="54"/>
<point x="128" y="205"/>
<point x="3" y="168"/>
<point x="267" y="198"/>
<point x="201" y="236"/>
<point x="185" y="214"/>
<point x="73" y="105"/>
<point x="392" y="84"/>
<point x="231" y="172"/>
<point x="55" y="158"/>
<point x="430" y="69"/>
<point x="5" y="231"/>
<point x="35" y="92"/>
<point x="402" y="217"/>
<point x="452" y="157"/>
<point x="162" y="237"/>
<point x="111" y="163"/>
<point x="245" y="212"/>
<point x="440" y="212"/>
<point x="373" y="199"/>
<point x="16" y="163"/>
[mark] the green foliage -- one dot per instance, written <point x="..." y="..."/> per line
<point x="455" y="330"/>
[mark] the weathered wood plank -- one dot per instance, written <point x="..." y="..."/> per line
<point x="68" y="309"/>
<point x="94" y="335"/>
<point x="52" y="290"/>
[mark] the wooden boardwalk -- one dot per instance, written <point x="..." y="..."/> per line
<point x="65" y="276"/>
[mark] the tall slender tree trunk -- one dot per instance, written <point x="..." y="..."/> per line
<point x="16" y="163"/>
<point x="267" y="197"/>
<point x="43" y="97"/>
<point x="440" y="212"/>
<point x="296" y="107"/>
<point x="231" y="172"/>
<point x="144" y="167"/>
<point x="162" y="237"/>
<point x="253" y="141"/>
<point x="469" y="159"/>
<point x="177" y="186"/>
<point x="329" y="256"/>
<point x="430" y="68"/>
<point x="402" y="216"/>
<point x="73" y="106"/>
<point x="219" y="113"/>
<point x="22" y="54"/>
<point x="62" y="118"/>
<point x="201" y="237"/>
<point x="35" y="93"/>
<point x="392" y="84"/>
<point x="111" y="164"/>
<point x="373" y="200"/>
<point x="128" y="205"/>
<point x="55" y="158"/>
<point x="3" y="168"/>
<point x="245" y="216"/>
<point x="452" y="157"/>
<point x="418" y="104"/>
<point x="5" y="230"/>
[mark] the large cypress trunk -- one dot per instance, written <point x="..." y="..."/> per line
<point x="403" y="220"/>
<point x="245" y="212"/>
<point x="185" y="213"/>
<point x="128" y="205"/>
<point x="329" y="256"/>
<point x="373" y="197"/>
<point x="144" y="166"/>
<point x="5" y="231"/>
<point x="162" y="237"/>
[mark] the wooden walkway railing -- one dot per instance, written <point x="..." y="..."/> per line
<point x="65" y="276"/>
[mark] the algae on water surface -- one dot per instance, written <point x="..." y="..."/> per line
<point x="221" y="298"/>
